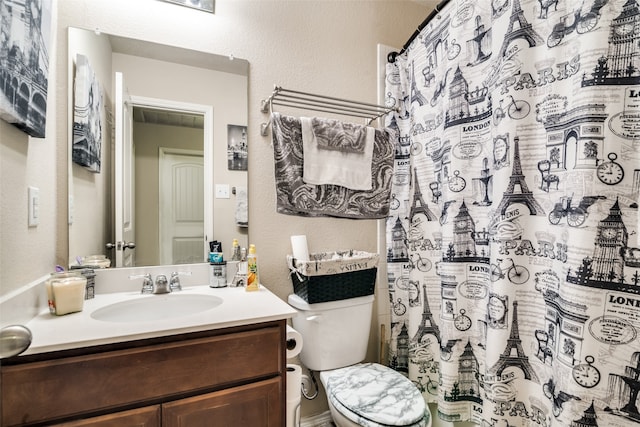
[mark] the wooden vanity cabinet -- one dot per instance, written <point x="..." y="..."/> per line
<point x="234" y="376"/>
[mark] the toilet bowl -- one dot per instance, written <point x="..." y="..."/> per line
<point x="336" y="337"/>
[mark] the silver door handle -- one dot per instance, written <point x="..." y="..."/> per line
<point x="121" y="245"/>
<point x="128" y="245"/>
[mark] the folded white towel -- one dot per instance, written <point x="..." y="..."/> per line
<point x="349" y="170"/>
<point x="242" y="211"/>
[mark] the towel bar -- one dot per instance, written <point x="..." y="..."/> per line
<point x="313" y="102"/>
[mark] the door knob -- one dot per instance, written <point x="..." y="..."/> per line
<point x="128" y="245"/>
<point x="121" y="245"/>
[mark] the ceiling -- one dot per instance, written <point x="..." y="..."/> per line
<point x="169" y="118"/>
<point x="193" y="58"/>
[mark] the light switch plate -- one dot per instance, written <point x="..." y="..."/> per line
<point x="222" y="191"/>
<point x="33" y="206"/>
<point x="71" y="209"/>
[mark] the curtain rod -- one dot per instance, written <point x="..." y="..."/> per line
<point x="393" y="55"/>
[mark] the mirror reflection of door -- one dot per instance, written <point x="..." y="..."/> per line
<point x="181" y="207"/>
<point x="124" y="177"/>
<point x="169" y="182"/>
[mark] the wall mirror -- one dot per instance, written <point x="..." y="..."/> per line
<point x="168" y="172"/>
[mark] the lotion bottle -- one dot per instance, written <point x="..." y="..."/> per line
<point x="252" y="269"/>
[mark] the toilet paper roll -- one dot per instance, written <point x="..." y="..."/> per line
<point x="300" y="248"/>
<point x="294" y="381"/>
<point x="294" y="342"/>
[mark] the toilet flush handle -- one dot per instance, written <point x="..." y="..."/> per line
<point x="314" y="318"/>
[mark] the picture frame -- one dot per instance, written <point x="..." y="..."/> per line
<point x="237" y="148"/>
<point x="24" y="64"/>
<point x="203" y="5"/>
<point x="87" y="117"/>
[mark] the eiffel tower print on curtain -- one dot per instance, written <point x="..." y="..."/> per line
<point x="523" y="31"/>
<point x="419" y="206"/>
<point x="427" y="325"/>
<point x="525" y="196"/>
<point x="519" y="359"/>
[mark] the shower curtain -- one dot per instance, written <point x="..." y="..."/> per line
<point x="512" y="238"/>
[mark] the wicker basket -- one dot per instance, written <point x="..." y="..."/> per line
<point x="332" y="276"/>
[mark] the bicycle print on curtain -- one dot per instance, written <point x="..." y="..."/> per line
<point x="512" y="240"/>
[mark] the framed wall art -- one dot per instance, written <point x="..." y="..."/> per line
<point x="87" y="117"/>
<point x="24" y="64"/>
<point x="204" y="5"/>
<point x="237" y="148"/>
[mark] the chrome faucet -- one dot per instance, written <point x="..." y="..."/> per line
<point x="161" y="286"/>
<point x="147" y="282"/>
<point x="174" y="282"/>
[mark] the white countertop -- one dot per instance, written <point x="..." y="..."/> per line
<point x="76" y="330"/>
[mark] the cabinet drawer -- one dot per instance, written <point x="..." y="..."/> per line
<point x="252" y="405"/>
<point x="142" y="417"/>
<point x="67" y="387"/>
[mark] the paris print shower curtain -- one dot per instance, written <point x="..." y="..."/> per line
<point x="512" y="239"/>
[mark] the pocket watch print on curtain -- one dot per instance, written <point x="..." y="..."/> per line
<point x="512" y="240"/>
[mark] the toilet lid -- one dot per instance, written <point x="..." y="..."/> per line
<point x="376" y="393"/>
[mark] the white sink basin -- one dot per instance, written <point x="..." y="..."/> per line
<point x="156" y="307"/>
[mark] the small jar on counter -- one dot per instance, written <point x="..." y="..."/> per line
<point x="90" y="275"/>
<point x="218" y="274"/>
<point x="96" y="261"/>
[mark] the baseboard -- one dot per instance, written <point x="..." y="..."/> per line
<point x="321" y="420"/>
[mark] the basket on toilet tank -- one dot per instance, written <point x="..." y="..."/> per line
<point x="332" y="276"/>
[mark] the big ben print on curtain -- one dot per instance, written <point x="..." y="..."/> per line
<point x="512" y="241"/>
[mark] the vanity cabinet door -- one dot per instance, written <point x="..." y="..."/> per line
<point x="252" y="405"/>
<point x="140" y="376"/>
<point x="143" y="417"/>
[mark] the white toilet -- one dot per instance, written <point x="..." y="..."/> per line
<point x="335" y="337"/>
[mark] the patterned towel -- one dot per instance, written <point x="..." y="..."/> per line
<point x="294" y="197"/>
<point x="340" y="136"/>
<point x="343" y="168"/>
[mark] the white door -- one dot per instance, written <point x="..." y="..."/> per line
<point x="181" y="200"/>
<point x="124" y="177"/>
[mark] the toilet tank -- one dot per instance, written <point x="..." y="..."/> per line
<point x="335" y="334"/>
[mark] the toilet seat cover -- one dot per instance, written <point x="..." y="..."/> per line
<point x="376" y="393"/>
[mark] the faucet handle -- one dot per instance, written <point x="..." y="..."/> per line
<point x="147" y="282"/>
<point x="174" y="282"/>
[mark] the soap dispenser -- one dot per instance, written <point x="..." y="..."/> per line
<point x="252" y="270"/>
